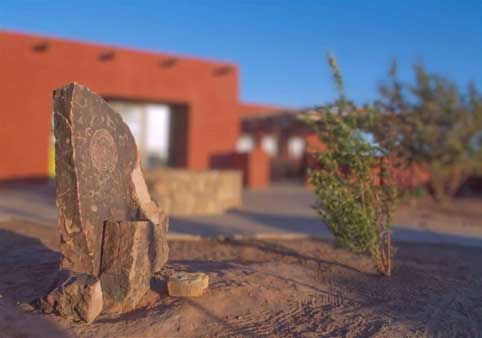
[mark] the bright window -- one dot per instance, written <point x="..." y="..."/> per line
<point x="296" y="146"/>
<point x="245" y="144"/>
<point x="269" y="144"/>
<point x="149" y="124"/>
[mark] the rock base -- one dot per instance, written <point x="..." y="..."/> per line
<point x="76" y="296"/>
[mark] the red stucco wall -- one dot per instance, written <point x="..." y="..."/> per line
<point x="254" y="166"/>
<point x="31" y="67"/>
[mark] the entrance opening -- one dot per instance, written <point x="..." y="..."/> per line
<point x="160" y="130"/>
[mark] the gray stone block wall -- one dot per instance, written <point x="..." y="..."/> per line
<point x="185" y="192"/>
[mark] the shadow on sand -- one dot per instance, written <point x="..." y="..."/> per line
<point x="27" y="268"/>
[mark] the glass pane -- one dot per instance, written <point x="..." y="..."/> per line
<point x="157" y="141"/>
<point x="245" y="144"/>
<point x="269" y="144"/>
<point x="296" y="147"/>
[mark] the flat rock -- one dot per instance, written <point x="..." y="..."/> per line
<point x="186" y="284"/>
<point x="77" y="297"/>
<point x="126" y="264"/>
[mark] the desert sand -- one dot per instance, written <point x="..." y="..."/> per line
<point x="288" y="288"/>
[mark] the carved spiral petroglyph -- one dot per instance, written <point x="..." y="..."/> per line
<point x="103" y="151"/>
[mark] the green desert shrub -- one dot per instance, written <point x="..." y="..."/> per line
<point x="353" y="180"/>
<point x="435" y="124"/>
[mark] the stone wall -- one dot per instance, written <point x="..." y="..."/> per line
<point x="187" y="192"/>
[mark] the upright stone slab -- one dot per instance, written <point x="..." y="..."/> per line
<point x="95" y="154"/>
<point x="98" y="179"/>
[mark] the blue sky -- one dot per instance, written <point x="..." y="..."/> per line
<point x="279" y="45"/>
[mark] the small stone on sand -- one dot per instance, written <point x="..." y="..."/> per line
<point x="186" y="284"/>
<point x="26" y="307"/>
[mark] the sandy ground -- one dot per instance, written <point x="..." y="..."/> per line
<point x="297" y="288"/>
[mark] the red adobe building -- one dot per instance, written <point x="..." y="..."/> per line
<point x="201" y="96"/>
<point x="184" y="112"/>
